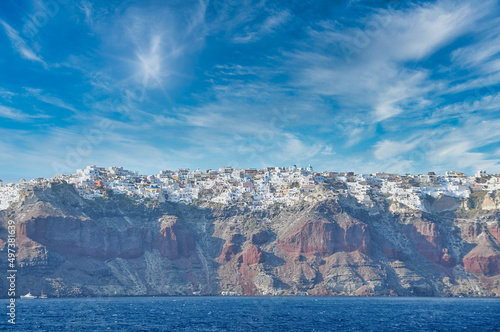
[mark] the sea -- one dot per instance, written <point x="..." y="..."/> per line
<point x="200" y="313"/>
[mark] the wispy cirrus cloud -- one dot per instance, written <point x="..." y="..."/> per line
<point x="377" y="79"/>
<point x="268" y="26"/>
<point x="5" y="94"/>
<point x="18" y="115"/>
<point x="464" y="151"/>
<point x="387" y="149"/>
<point x="20" y="46"/>
<point x="49" y="99"/>
<point x="88" y="9"/>
<point x="12" y="113"/>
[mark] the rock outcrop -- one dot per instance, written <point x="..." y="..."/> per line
<point x="484" y="259"/>
<point x="172" y="241"/>
<point x="326" y="238"/>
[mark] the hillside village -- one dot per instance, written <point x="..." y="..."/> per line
<point x="257" y="188"/>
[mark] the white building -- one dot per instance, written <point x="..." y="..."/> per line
<point x="480" y="174"/>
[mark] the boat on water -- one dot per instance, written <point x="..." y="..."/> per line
<point x="28" y="296"/>
<point x="42" y="296"/>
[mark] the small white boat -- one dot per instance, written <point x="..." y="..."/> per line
<point x="28" y="296"/>
<point x="43" y="296"/>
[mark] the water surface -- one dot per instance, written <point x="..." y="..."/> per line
<point x="257" y="314"/>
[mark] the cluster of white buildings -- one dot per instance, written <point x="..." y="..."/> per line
<point x="9" y="194"/>
<point x="411" y="189"/>
<point x="258" y="189"/>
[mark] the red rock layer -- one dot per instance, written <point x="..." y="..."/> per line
<point x="173" y="242"/>
<point x="325" y="238"/>
<point x="429" y="243"/>
<point x="252" y="255"/>
<point x="484" y="259"/>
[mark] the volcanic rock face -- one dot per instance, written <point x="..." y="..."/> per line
<point x="260" y="237"/>
<point x="471" y="231"/>
<point x="252" y="255"/>
<point x="85" y="237"/>
<point x="68" y="246"/>
<point x="484" y="259"/>
<point x="494" y="230"/>
<point x="429" y="243"/>
<point x="325" y="238"/>
<point x="228" y="252"/>
<point x="491" y="201"/>
<point x="172" y="241"/>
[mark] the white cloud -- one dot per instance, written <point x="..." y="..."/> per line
<point x="471" y="103"/>
<point x="87" y="8"/>
<point x="268" y="26"/>
<point x="375" y="78"/>
<point x="150" y="63"/>
<point x="46" y="98"/>
<point x="328" y="150"/>
<point x="64" y="150"/>
<point x="7" y="95"/>
<point x="15" y="114"/>
<point x="388" y="149"/>
<point x="147" y="46"/>
<point x="20" y="45"/>
<point x="480" y="84"/>
<point x="455" y="148"/>
<point x="483" y="51"/>
<point x="421" y="30"/>
<point x="442" y="149"/>
<point x="290" y="149"/>
<point x="12" y="113"/>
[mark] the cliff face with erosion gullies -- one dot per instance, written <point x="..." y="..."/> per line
<point x="327" y="244"/>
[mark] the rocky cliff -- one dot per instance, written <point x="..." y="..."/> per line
<point x="327" y="245"/>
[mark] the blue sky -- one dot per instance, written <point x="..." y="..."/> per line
<point x="408" y="87"/>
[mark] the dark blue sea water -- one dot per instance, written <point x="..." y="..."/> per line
<point x="256" y="314"/>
